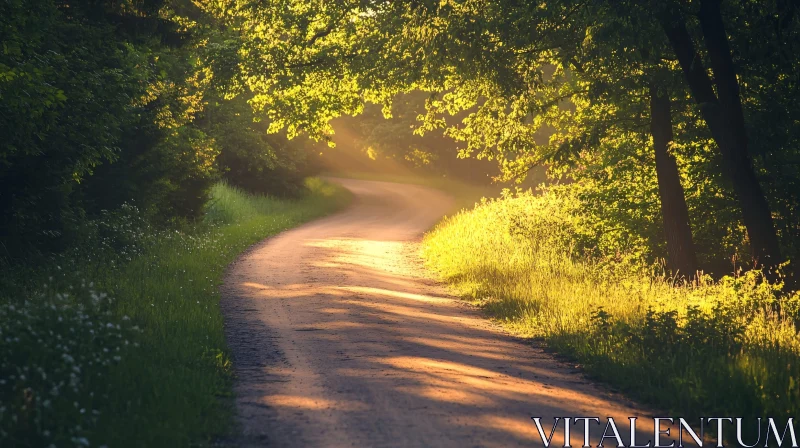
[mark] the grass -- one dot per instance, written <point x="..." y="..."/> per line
<point x="702" y="349"/>
<point x="123" y="345"/>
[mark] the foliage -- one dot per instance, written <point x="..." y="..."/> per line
<point x="117" y="118"/>
<point x="390" y="143"/>
<point x="546" y="270"/>
<point x="560" y="84"/>
<point x="109" y="103"/>
<point x="120" y="341"/>
<point x="57" y="350"/>
<point x="251" y="159"/>
<point x="56" y="127"/>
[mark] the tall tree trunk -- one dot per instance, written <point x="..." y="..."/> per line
<point x="680" y="248"/>
<point x="757" y="215"/>
<point x="725" y="119"/>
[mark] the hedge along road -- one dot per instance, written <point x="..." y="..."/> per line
<point x="340" y="338"/>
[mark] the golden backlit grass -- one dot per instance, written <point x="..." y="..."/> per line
<point x="709" y="348"/>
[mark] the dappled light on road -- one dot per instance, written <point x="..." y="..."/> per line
<point x="339" y="338"/>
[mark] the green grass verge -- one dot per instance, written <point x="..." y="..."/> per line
<point x="146" y="365"/>
<point x="707" y="349"/>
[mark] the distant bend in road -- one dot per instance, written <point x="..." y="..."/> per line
<point x="339" y="338"/>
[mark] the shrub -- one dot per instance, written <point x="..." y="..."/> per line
<point x="540" y="265"/>
<point x="253" y="160"/>
<point x="148" y="368"/>
<point x="55" y="353"/>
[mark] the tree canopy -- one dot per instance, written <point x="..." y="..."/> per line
<point x="674" y="124"/>
<point x="570" y="85"/>
<point x="107" y="103"/>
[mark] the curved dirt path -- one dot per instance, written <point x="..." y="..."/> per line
<point x="339" y="339"/>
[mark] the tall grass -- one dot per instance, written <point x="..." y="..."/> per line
<point x="121" y="344"/>
<point x="703" y="349"/>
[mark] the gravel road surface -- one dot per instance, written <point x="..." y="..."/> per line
<point x="340" y="338"/>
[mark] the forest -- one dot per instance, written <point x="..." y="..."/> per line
<point x="648" y="154"/>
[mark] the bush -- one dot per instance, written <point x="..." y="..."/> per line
<point x="97" y="109"/>
<point x="253" y="160"/>
<point x="66" y="84"/>
<point x="712" y="347"/>
<point x="150" y="367"/>
<point x="56" y="350"/>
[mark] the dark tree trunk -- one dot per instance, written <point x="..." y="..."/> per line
<point x="725" y="119"/>
<point x="757" y="215"/>
<point x="681" y="255"/>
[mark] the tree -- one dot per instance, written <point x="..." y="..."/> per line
<point x="564" y="84"/>
<point x="725" y="117"/>
<point x="678" y="232"/>
<point x="104" y="103"/>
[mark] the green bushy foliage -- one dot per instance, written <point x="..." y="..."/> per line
<point x="56" y="352"/>
<point x="547" y="268"/>
<point x="119" y="340"/>
<point x="65" y="95"/>
<point x="112" y="103"/>
<point x="168" y="179"/>
<point x="250" y="158"/>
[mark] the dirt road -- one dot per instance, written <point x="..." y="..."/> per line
<point x="340" y="338"/>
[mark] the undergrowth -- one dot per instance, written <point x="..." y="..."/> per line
<point x="711" y="347"/>
<point x="119" y="341"/>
